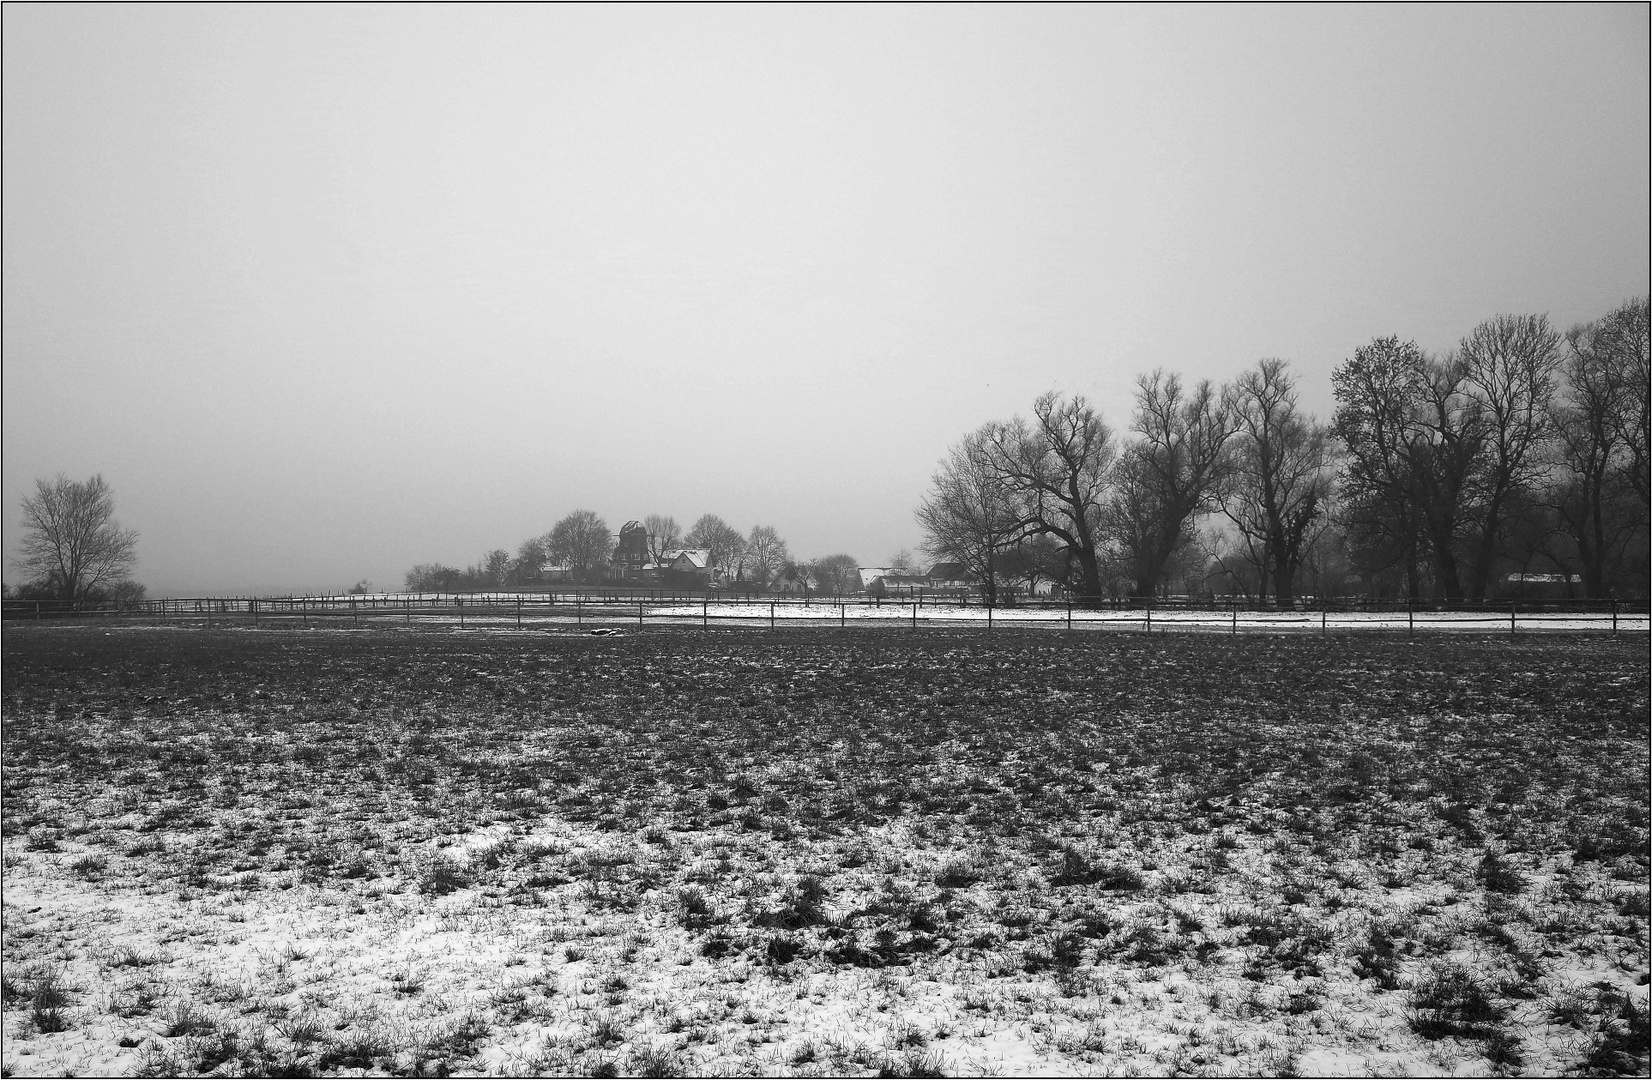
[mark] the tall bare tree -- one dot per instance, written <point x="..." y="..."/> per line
<point x="1281" y="475"/>
<point x="837" y="574"/>
<point x="71" y="541"/>
<point x="1177" y="468"/>
<point x="581" y="540"/>
<point x="1414" y="437"/>
<point x="719" y="537"/>
<point x="1447" y="449"/>
<point x="970" y="516"/>
<point x="765" y="554"/>
<point x="663" y="535"/>
<point x="529" y="561"/>
<point x="1591" y="496"/>
<point x="1056" y="471"/>
<point x="1622" y="340"/>
<point x="496" y="566"/>
<point x="1509" y="365"/>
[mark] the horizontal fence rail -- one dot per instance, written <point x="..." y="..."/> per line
<point x="617" y="609"/>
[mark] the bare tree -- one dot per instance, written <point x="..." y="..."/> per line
<point x="969" y="516"/>
<point x="663" y="535"/>
<point x="71" y="541"/>
<point x="1281" y="478"/>
<point x="1410" y="449"/>
<point x="496" y="566"/>
<point x="765" y="554"/>
<point x="1177" y="468"/>
<point x="1055" y="471"/>
<point x="1622" y="342"/>
<point x="529" y="561"/>
<point x="1447" y="448"/>
<point x="1509" y="365"/>
<point x="1591" y="495"/>
<point x="581" y="540"/>
<point x="717" y="536"/>
<point x="432" y="577"/>
<point x="836" y="574"/>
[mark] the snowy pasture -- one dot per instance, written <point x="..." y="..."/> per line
<point x="823" y="853"/>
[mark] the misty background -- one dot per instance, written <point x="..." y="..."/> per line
<point x="327" y="292"/>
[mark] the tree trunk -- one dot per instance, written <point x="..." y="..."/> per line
<point x="1481" y="580"/>
<point x="1284" y="582"/>
<point x="1447" y="582"/>
<point x="1088" y="570"/>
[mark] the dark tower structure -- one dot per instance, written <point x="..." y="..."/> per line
<point x="632" y="552"/>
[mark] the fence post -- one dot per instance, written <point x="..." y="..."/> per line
<point x="842" y="615"/>
<point x="461" y="602"/>
<point x="254" y="605"/>
<point x="771" y="615"/>
<point x="1324" y="605"/>
<point x="639" y="612"/>
<point x="579" y="612"/>
<point x="1512" y="604"/>
<point x="1069" y="613"/>
<point x="989" y="618"/>
<point x="1614" y="618"/>
<point x="1235" y="630"/>
<point x="1410" y="617"/>
<point x="914" y="616"/>
<point x="705" y="611"/>
<point x="1150" y="615"/>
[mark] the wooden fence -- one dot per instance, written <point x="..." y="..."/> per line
<point x="615" y="609"/>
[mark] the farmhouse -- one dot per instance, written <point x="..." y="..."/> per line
<point x="688" y="566"/>
<point x="1542" y="586"/>
<point x="891" y="581"/>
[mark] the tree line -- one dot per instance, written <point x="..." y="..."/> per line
<point x="1521" y="451"/>
<point x="582" y="543"/>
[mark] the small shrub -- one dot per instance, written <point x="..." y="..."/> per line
<point x="1449" y="1000"/>
<point x="958" y="874"/>
<point x="1498" y="876"/>
<point x="782" y="949"/>
<point x="693" y="909"/>
<point x="187" y="1018"/>
<point x="1377" y="959"/>
<point x="407" y="981"/>
<point x="913" y="1063"/>
<point x="441" y="876"/>
<point x="88" y="866"/>
<point x="654" y="1061"/>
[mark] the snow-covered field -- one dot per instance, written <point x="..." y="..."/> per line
<point x="822" y="854"/>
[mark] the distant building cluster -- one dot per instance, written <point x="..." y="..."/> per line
<point x="633" y="562"/>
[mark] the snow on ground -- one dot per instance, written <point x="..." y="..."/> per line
<point x="1030" y="855"/>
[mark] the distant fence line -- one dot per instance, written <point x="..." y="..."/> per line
<point x="642" y="608"/>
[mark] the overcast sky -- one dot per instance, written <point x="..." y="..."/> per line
<point x="324" y="292"/>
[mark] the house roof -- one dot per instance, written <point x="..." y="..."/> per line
<point x="948" y="571"/>
<point x="890" y="576"/>
<point x="698" y="558"/>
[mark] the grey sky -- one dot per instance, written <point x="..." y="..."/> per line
<point x="324" y="292"/>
